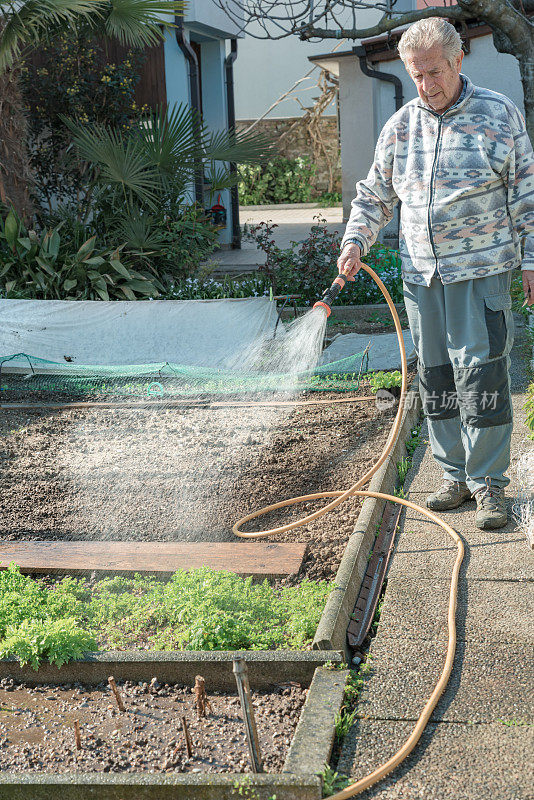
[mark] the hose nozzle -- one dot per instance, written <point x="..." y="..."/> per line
<point x="330" y="294"/>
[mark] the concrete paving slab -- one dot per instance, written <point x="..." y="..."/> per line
<point x="487" y="611"/>
<point x="450" y="761"/>
<point x="426" y="549"/>
<point x="488" y="682"/>
<point x="294" y="224"/>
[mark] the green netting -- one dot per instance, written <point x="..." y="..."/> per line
<point x="22" y="375"/>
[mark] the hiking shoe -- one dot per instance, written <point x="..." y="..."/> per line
<point x="450" y="494"/>
<point x="491" y="507"/>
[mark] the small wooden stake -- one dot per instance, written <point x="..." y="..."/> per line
<point x="114" y="689"/>
<point x="201" y="698"/>
<point x="188" y="743"/>
<point x="77" y="737"/>
<point x="243" y="687"/>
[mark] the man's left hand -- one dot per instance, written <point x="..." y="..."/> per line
<point x="528" y="286"/>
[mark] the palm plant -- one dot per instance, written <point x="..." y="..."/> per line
<point x="136" y="23"/>
<point x="24" y="24"/>
<point x="147" y="172"/>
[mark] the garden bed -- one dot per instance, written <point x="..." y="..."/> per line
<point x="315" y="446"/>
<point x="366" y="319"/>
<point x="187" y="474"/>
<point x="37" y="728"/>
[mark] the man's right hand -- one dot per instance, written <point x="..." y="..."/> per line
<point x="349" y="262"/>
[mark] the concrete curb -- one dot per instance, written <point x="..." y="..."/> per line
<point x="276" y="206"/>
<point x="266" y="667"/>
<point x="314" y="737"/>
<point x="331" y="632"/>
<point x="184" y="786"/>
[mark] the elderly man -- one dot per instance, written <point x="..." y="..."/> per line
<point x="459" y="159"/>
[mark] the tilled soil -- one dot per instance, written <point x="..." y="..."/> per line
<point x="187" y="473"/>
<point x="37" y="728"/>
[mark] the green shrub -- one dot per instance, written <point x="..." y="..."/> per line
<point x="73" y="75"/>
<point x="308" y="267"/>
<point x="43" y="266"/>
<point x="281" y="180"/>
<point x="327" y="199"/>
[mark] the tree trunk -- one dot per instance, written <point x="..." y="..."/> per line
<point x="15" y="172"/>
<point x="526" y="70"/>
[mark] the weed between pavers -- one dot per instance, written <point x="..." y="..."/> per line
<point x="244" y="788"/>
<point x="199" y="609"/>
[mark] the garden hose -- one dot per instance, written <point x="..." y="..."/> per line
<point x="380" y="772"/>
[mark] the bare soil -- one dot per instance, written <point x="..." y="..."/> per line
<point x="188" y="474"/>
<point x="37" y="728"/>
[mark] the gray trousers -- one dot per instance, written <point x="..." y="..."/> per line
<point x="463" y="333"/>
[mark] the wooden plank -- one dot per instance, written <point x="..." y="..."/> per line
<point x="243" y="558"/>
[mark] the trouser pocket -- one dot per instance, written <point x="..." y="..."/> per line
<point x="497" y="315"/>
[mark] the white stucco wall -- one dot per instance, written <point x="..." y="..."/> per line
<point x="265" y="69"/>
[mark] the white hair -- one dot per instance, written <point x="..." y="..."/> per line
<point x="427" y="33"/>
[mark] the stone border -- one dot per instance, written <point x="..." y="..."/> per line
<point x="182" y="786"/>
<point x="282" y="206"/>
<point x="313" y="739"/>
<point x="266" y="667"/>
<point x="331" y="633"/>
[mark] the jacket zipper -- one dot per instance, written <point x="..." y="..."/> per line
<point x="432" y="176"/>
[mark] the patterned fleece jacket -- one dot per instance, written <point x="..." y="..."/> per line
<point x="465" y="179"/>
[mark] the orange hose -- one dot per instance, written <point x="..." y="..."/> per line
<point x="355" y="490"/>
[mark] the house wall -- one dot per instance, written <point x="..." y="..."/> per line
<point x="359" y="131"/>
<point x="265" y="69"/>
<point x="209" y="28"/>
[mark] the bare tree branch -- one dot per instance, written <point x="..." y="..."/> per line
<point x="512" y="29"/>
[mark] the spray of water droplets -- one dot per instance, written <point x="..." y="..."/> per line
<point x="171" y="473"/>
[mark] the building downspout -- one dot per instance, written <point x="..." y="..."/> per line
<point x="361" y="52"/>
<point x="234" y="195"/>
<point x="194" y="88"/>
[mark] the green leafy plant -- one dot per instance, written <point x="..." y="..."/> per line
<point x="308" y="267"/>
<point x="403" y="467"/>
<point x="57" y="641"/>
<point x="384" y="380"/>
<point x="41" y="266"/>
<point x="415" y="439"/>
<point x="529" y="407"/>
<point x="343" y="722"/>
<point x="74" y="76"/>
<point x="280" y="180"/>
<point x="333" y="781"/>
<point x="327" y="199"/>
<point x="135" y="23"/>
<point x="200" y="609"/>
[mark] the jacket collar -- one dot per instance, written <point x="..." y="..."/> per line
<point x="465" y="94"/>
